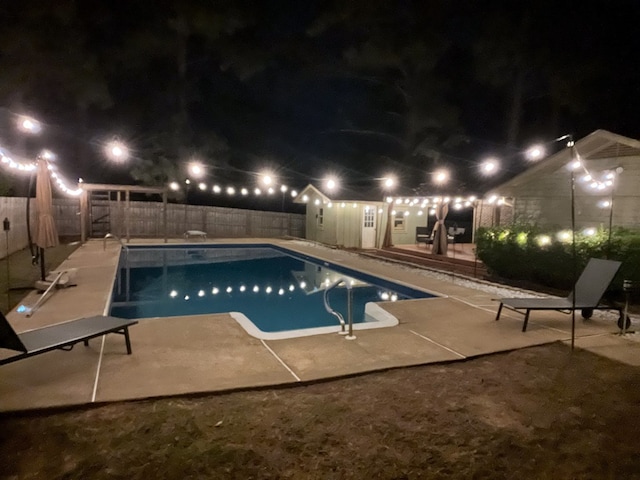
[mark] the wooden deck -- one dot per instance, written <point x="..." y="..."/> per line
<point x="460" y="258"/>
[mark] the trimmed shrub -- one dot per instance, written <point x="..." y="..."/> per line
<point x="545" y="256"/>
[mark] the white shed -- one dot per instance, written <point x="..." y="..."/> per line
<point x="363" y="223"/>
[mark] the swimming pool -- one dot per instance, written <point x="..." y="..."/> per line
<point x="271" y="291"/>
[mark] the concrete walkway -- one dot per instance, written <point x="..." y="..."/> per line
<point x="205" y="353"/>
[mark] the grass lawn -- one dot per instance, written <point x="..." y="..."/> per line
<point x="542" y="412"/>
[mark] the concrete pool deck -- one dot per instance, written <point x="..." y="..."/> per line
<point x="208" y="353"/>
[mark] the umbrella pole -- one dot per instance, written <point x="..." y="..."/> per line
<point x="42" y="275"/>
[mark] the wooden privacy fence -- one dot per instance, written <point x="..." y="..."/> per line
<point x="145" y="220"/>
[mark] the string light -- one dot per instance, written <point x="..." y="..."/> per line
<point x="536" y="152"/>
<point x="30" y="167"/>
<point x="117" y="150"/>
<point x="29" y="125"/>
<point x="440" y="177"/>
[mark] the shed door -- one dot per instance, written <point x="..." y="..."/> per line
<point x="369" y="227"/>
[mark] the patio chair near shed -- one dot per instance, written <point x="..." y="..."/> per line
<point x="61" y="336"/>
<point x="589" y="289"/>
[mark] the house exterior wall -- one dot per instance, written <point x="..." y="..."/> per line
<point x="348" y="225"/>
<point x="406" y="234"/>
<point x="546" y="201"/>
<point x="342" y="225"/>
<point x="325" y="231"/>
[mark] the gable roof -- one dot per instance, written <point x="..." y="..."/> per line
<point x="310" y="190"/>
<point x="354" y="195"/>
<point x="597" y="145"/>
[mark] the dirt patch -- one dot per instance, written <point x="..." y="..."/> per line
<point x="543" y="412"/>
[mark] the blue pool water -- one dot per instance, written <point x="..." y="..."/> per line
<point x="277" y="290"/>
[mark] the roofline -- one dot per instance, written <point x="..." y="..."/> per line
<point x="564" y="156"/>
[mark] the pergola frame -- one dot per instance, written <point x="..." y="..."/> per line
<point x="89" y="188"/>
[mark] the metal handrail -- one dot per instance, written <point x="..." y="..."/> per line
<point x="327" y="306"/>
<point x="112" y="235"/>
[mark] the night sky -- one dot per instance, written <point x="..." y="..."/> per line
<point x="358" y="89"/>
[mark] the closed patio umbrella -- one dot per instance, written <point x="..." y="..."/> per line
<point x="46" y="232"/>
<point x="439" y="230"/>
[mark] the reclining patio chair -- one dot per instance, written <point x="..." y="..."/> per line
<point x="61" y="336"/>
<point x="589" y="288"/>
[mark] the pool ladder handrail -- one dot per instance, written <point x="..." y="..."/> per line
<point x="349" y="334"/>
<point x="112" y="235"/>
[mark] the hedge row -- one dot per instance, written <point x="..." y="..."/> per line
<point x="545" y="256"/>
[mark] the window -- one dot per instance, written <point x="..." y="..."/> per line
<point x="320" y="217"/>
<point x="369" y="217"/>
<point x="398" y="221"/>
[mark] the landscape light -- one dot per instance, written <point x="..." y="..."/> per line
<point x="565" y="236"/>
<point x="544" y="240"/>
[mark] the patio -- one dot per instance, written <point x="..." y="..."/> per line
<point x="206" y="353"/>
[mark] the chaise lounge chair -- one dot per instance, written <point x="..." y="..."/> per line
<point x="589" y="288"/>
<point x="61" y="336"/>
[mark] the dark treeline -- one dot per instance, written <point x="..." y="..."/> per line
<point x="357" y="87"/>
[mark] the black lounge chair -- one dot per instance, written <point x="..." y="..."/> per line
<point x="589" y="288"/>
<point x="61" y="336"/>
